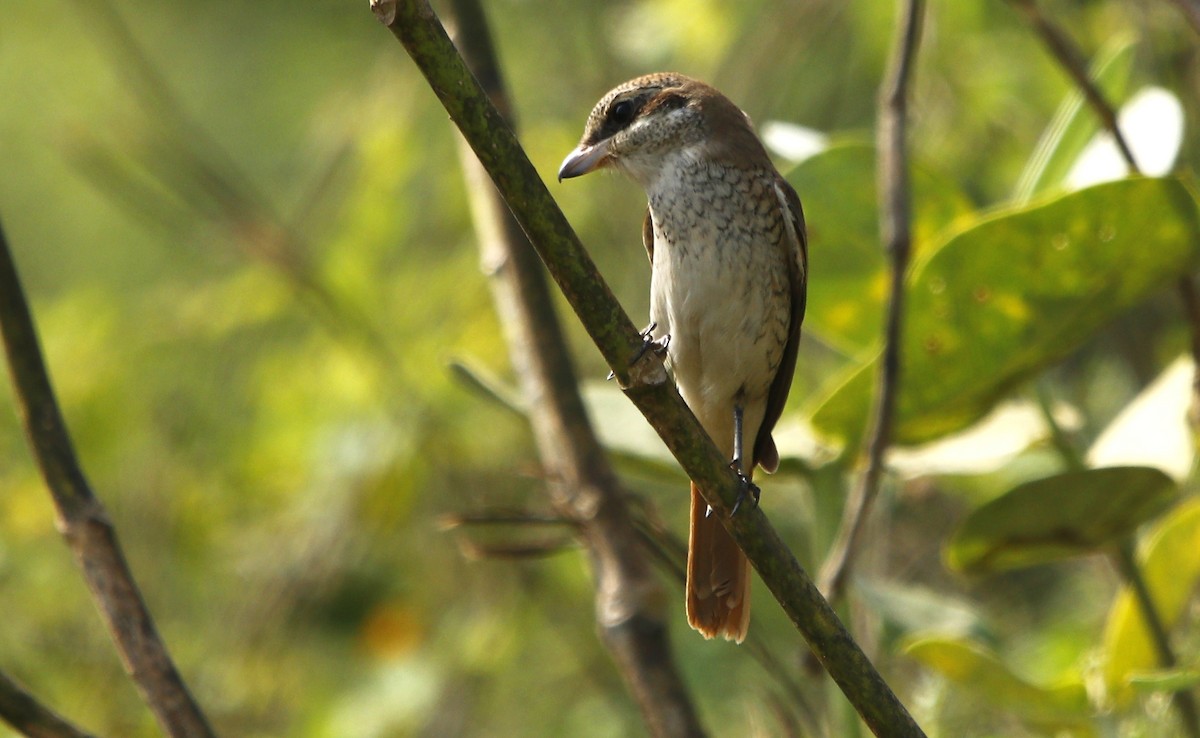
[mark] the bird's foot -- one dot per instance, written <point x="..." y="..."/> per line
<point x="658" y="346"/>
<point x="748" y="488"/>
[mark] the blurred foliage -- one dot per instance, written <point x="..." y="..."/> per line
<point x="1060" y="516"/>
<point x="251" y="262"/>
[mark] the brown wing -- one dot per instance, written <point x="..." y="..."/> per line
<point x="648" y="235"/>
<point x="796" y="241"/>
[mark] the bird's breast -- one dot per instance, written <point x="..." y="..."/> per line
<point x="720" y="278"/>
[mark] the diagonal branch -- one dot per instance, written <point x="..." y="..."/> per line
<point x="645" y="382"/>
<point x="29" y="717"/>
<point x="84" y="524"/>
<point x="896" y="230"/>
<point x="584" y="488"/>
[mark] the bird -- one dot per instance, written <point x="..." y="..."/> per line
<point x="726" y="239"/>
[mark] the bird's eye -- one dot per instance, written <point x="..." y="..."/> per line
<point x="622" y="113"/>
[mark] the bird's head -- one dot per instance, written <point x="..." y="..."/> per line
<point x="638" y="124"/>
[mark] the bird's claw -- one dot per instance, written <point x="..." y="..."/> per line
<point x="659" y="346"/>
<point x="748" y="488"/>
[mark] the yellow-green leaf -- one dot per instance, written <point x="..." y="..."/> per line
<point x="973" y="667"/>
<point x="848" y="288"/>
<point x="1171" y="566"/>
<point x="1016" y="292"/>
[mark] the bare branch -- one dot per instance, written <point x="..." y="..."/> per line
<point x="584" y="488"/>
<point x="519" y="518"/>
<point x="31" y="718"/>
<point x="81" y="519"/>
<point x="416" y="26"/>
<point x="896" y="231"/>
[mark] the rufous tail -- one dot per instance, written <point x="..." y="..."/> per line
<point x="718" y="577"/>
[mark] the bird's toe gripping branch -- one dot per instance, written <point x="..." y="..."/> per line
<point x="657" y="345"/>
<point x="748" y="489"/>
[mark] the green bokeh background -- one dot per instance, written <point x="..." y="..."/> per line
<point x="276" y="455"/>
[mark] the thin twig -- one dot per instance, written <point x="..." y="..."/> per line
<point x="628" y="599"/>
<point x="1072" y="61"/>
<point x="1058" y="436"/>
<point x="516" y="551"/>
<point x="645" y="382"/>
<point x="517" y="518"/>
<point x="26" y="715"/>
<point x="896" y="231"/>
<point x="84" y="524"/>
<point x="1185" y="703"/>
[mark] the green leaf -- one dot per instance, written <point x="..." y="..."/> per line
<point x="973" y="667"/>
<point x="846" y="294"/>
<point x="1058" y="517"/>
<point x="1016" y="292"/>
<point x="1075" y="122"/>
<point x="1171" y="568"/>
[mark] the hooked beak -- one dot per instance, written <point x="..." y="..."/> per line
<point x="583" y="159"/>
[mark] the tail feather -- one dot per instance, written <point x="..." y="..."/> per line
<point x="718" y="577"/>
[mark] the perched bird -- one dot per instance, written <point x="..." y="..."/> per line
<point x="727" y="246"/>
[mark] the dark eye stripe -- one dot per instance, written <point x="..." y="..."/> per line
<point x="614" y="116"/>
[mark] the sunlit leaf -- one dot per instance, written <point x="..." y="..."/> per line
<point x="848" y="287"/>
<point x="1017" y="292"/>
<point x="1171" y="567"/>
<point x="972" y="667"/>
<point x="1059" y="517"/>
